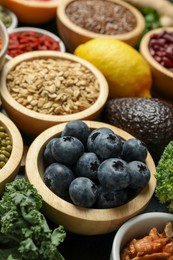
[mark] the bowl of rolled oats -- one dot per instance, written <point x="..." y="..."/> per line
<point x="81" y="20"/>
<point x="43" y="88"/>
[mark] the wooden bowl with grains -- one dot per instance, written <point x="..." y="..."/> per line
<point x="11" y="151"/>
<point x="78" y="217"/>
<point x="79" y="21"/>
<point x="40" y="89"/>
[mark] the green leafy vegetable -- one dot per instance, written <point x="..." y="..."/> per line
<point x="164" y="177"/>
<point x="24" y="232"/>
<point x="152" y="21"/>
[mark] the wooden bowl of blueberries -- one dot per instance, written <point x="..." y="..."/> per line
<point x="92" y="176"/>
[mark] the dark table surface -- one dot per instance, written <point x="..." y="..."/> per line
<point x="95" y="247"/>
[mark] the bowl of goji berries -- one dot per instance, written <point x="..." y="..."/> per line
<point x="157" y="49"/>
<point x="4" y="40"/>
<point x="79" y="21"/>
<point x="26" y="39"/>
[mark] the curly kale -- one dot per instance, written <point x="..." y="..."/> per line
<point x="24" y="232"/>
<point x="164" y="177"/>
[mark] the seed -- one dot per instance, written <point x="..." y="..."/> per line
<point x="103" y="17"/>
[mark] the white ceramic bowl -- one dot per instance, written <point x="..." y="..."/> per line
<point x="138" y="227"/>
<point x="5" y="40"/>
<point x="37" y="30"/>
<point x="14" y="22"/>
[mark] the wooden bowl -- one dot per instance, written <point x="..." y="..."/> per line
<point x="74" y="35"/>
<point x="11" y="168"/>
<point x="162" y="77"/>
<point x="4" y="43"/>
<point x="77" y="219"/>
<point x="33" y="11"/>
<point x="33" y="123"/>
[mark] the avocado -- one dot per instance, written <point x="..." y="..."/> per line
<point x="148" y="119"/>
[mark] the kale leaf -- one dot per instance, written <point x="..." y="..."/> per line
<point x="24" y="231"/>
<point x="164" y="177"/>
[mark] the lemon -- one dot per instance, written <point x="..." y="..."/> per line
<point x="126" y="71"/>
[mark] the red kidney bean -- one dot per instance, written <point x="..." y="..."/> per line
<point x="161" y="48"/>
<point x="21" y="42"/>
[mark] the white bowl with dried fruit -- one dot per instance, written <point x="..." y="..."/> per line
<point x="84" y="184"/>
<point x="40" y="89"/>
<point x="139" y="236"/>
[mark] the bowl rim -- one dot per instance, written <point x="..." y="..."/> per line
<point x="132" y="222"/>
<point x="61" y="15"/>
<point x="101" y="215"/>
<point x="103" y="95"/>
<point x="143" y="48"/>
<point x="5" y="39"/>
<point x="36" y="3"/>
<point x="17" y="148"/>
<point x="39" y="30"/>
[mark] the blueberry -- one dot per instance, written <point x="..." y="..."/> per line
<point x="134" y="150"/>
<point x="67" y="149"/>
<point x="114" y="174"/>
<point x="47" y="154"/>
<point x="107" y="145"/>
<point x="111" y="198"/>
<point x="78" y="129"/>
<point x="57" y="178"/>
<point x="140" y="174"/>
<point x="87" y="166"/>
<point x="94" y="134"/>
<point x="83" y="192"/>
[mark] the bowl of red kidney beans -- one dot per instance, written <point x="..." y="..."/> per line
<point x="157" y="48"/>
<point x="27" y="39"/>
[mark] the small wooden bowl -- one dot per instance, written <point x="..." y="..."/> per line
<point x="77" y="219"/>
<point x="74" y="35"/>
<point x="11" y="168"/>
<point x="33" y="11"/>
<point x="162" y="77"/>
<point x="4" y="42"/>
<point x="33" y="123"/>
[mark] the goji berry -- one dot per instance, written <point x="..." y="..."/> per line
<point x="21" y="42"/>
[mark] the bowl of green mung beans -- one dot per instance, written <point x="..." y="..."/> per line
<point x="11" y="151"/>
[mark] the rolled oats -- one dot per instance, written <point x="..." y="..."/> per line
<point x="53" y="86"/>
